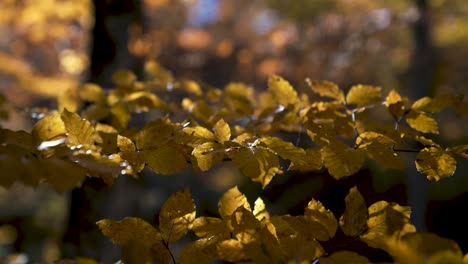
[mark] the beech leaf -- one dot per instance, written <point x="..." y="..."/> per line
<point x="422" y="122"/>
<point x="326" y="89"/>
<point x="317" y="212"/>
<point x="363" y="95"/>
<point x="130" y="230"/>
<point x="222" y="131"/>
<point x="282" y="91"/>
<point x="341" y="160"/>
<point x="435" y="163"/>
<point x="354" y="219"/>
<point x="79" y="131"/>
<point x="229" y="202"/>
<point x="165" y="160"/>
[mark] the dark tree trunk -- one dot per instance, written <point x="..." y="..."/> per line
<point x="94" y="200"/>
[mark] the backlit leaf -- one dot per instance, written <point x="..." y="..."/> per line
<point x="245" y="226"/>
<point x="48" y="128"/>
<point x="326" y="89"/>
<point x="437" y="104"/>
<point x="194" y="136"/>
<point x="193" y="254"/>
<point x="284" y="149"/>
<point x="344" y="257"/>
<point x="155" y="133"/>
<point x="299" y="249"/>
<point x="123" y="78"/>
<point x="260" y="212"/>
<point x="380" y="148"/>
<point x="92" y="93"/>
<point x="130" y="230"/>
<point x="222" y="131"/>
<point x="120" y="115"/>
<point x="229" y="202"/>
<point x="208" y="154"/>
<point x="256" y="162"/>
<point x="435" y="163"/>
<point x="230" y="250"/>
<point x="306" y="227"/>
<point x="165" y="160"/>
<point x="422" y="122"/>
<point x="341" y="160"/>
<point x="461" y="150"/>
<point x="395" y="104"/>
<point x="125" y="144"/>
<point x="176" y="216"/>
<point x="282" y="91"/>
<point x="362" y="95"/>
<point x="354" y="219"/>
<point x="79" y="131"/>
<point x="317" y="212"/>
<point x="312" y="160"/>
<point x="210" y="227"/>
<point x="62" y="174"/>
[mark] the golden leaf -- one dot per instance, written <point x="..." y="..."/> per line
<point x="239" y="98"/>
<point x="192" y="87"/>
<point x="245" y="226"/>
<point x="256" y="162"/>
<point x="142" y="101"/>
<point x="260" y="212"/>
<point x="461" y="150"/>
<point x="326" y="89"/>
<point x="229" y="202"/>
<point x="194" y="136"/>
<point x="165" y="160"/>
<point x="317" y="212"/>
<point x="92" y="93"/>
<point x="348" y="257"/>
<point x="155" y="133"/>
<point x="210" y="227"/>
<point x="422" y="122"/>
<point x="282" y="91"/>
<point x="79" y="131"/>
<point x="341" y="160"/>
<point x="362" y="95"/>
<point x="48" y="128"/>
<point x="437" y="104"/>
<point x="299" y="249"/>
<point x="222" y="132"/>
<point x="380" y="148"/>
<point x="208" y="154"/>
<point x="354" y="219"/>
<point x="125" y="144"/>
<point x="435" y="163"/>
<point x="123" y="78"/>
<point x="193" y="254"/>
<point x="230" y="250"/>
<point x="446" y="257"/>
<point x="120" y="115"/>
<point x="62" y="174"/>
<point x="130" y="230"/>
<point x="285" y="150"/>
<point x="303" y="226"/>
<point x="176" y="216"/>
<point x="387" y="221"/>
<point x="395" y="104"/>
<point x="312" y="160"/>
<point x="68" y="99"/>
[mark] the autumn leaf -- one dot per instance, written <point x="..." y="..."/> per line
<point x="354" y="219"/>
<point x="422" y="122"/>
<point x="284" y="149"/>
<point x="210" y="227"/>
<point x="260" y="212"/>
<point x="380" y="148"/>
<point x="317" y="212"/>
<point x="123" y="78"/>
<point x="348" y="257"/>
<point x="222" y="131"/>
<point x="61" y="174"/>
<point x="176" y="216"/>
<point x="79" y="131"/>
<point x="92" y="93"/>
<point x="230" y="250"/>
<point x="312" y="160"/>
<point x="244" y="225"/>
<point x="193" y="254"/>
<point x="435" y="163"/>
<point x="461" y="150"/>
<point x="130" y="230"/>
<point x="363" y="95"/>
<point x="282" y="91"/>
<point x="208" y="154"/>
<point x="395" y="104"/>
<point x="229" y="202"/>
<point x="48" y="128"/>
<point x="341" y="160"/>
<point x="434" y="105"/>
<point x="326" y="89"/>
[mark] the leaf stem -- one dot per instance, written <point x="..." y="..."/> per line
<point x="407" y="150"/>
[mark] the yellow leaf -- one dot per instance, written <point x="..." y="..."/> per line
<point x="282" y="91"/>
<point x="461" y="150"/>
<point x="239" y="98"/>
<point x="192" y="87"/>
<point x="387" y="221"/>
<point x="326" y="89"/>
<point x="123" y="78"/>
<point x="208" y="154"/>
<point x="395" y="104"/>
<point x="79" y="131"/>
<point x="130" y="230"/>
<point x="210" y="227"/>
<point x="303" y="226"/>
<point x="437" y="104"/>
<point x="317" y="212"/>
<point x="230" y="250"/>
<point x="193" y="254"/>
<point x="422" y="122"/>
<point x="142" y="101"/>
<point x="93" y="93"/>
<point x="48" y="128"/>
<point x="165" y="160"/>
<point x="68" y="99"/>
<point x="62" y="174"/>
<point x="380" y="148"/>
<point x="222" y="132"/>
<point x="125" y="144"/>
<point x="120" y="115"/>
<point x="348" y="257"/>
<point x="176" y="216"/>
<point x="285" y="150"/>
<point x="435" y="163"/>
<point x="155" y="133"/>
<point x="245" y="226"/>
<point x="362" y="95"/>
<point x="312" y="160"/>
<point x="256" y="162"/>
<point x="229" y="202"/>
<point x="342" y="160"/>
<point x="194" y="136"/>
<point x="98" y="165"/>
<point x="260" y="212"/>
<point x="354" y="219"/>
<point x="299" y="249"/>
<point x="446" y="257"/>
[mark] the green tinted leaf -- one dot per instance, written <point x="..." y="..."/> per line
<point x="422" y="122"/>
<point x="342" y="160"/>
<point x="176" y="216"/>
<point x="362" y="95"/>
<point x="326" y="89"/>
<point x="222" y="131"/>
<point x="435" y="163"/>
<point x="354" y="219"/>
<point x="282" y="91"/>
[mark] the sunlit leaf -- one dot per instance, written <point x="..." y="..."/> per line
<point x="395" y="104"/>
<point x="341" y="160"/>
<point x="344" y="257"/>
<point x="284" y="149"/>
<point x="327" y="89"/>
<point x="362" y="95"/>
<point x="461" y="150"/>
<point x="312" y="160"/>
<point x="437" y="104"/>
<point x="63" y="175"/>
<point x="282" y="91"/>
<point x="130" y="230"/>
<point x="380" y="148"/>
<point x="125" y="144"/>
<point x="229" y="202"/>
<point x="239" y="98"/>
<point x="208" y="154"/>
<point x="387" y="221"/>
<point x="48" y="128"/>
<point x="435" y="163"/>
<point x="210" y="227"/>
<point x="79" y="131"/>
<point x="299" y="249"/>
<point x="422" y="122"/>
<point x="317" y="212"/>
<point x="354" y="219"/>
<point x="120" y="115"/>
<point x="192" y="87"/>
<point x="193" y="254"/>
<point x="197" y="135"/>
<point x="142" y="101"/>
<point x="230" y="250"/>
<point x="260" y="212"/>
<point x="176" y="216"/>
<point x="165" y="160"/>
<point x="304" y="226"/>
<point x="256" y="162"/>
<point x="123" y="78"/>
<point x="245" y="226"/>
<point x="92" y="93"/>
<point x="68" y="99"/>
<point x="155" y="133"/>
<point x="222" y="131"/>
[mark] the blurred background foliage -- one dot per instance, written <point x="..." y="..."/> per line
<point x="45" y="48"/>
